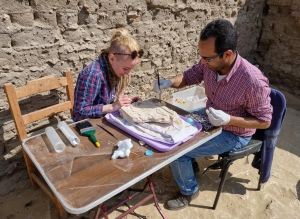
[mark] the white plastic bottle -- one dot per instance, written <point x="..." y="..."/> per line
<point x="70" y="135"/>
<point x="57" y="143"/>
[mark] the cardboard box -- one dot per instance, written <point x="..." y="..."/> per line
<point x="190" y="99"/>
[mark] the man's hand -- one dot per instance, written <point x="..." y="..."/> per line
<point x="164" y="83"/>
<point x="217" y="117"/>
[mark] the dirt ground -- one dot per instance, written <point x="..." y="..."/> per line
<point x="278" y="198"/>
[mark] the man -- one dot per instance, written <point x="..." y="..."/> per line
<point x="238" y="100"/>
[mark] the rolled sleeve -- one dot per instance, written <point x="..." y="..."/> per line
<point x="260" y="103"/>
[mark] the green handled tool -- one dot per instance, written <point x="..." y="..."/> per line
<point x="86" y="129"/>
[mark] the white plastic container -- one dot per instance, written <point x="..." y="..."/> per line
<point x="70" y="135"/>
<point x="57" y="143"/>
<point x="190" y="99"/>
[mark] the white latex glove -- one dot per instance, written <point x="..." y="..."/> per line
<point x="123" y="149"/>
<point x="164" y="83"/>
<point x="217" y="117"/>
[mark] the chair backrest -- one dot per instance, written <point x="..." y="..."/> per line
<point x="278" y="102"/>
<point x="263" y="160"/>
<point x="35" y="87"/>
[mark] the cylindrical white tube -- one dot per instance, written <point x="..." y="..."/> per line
<point x="57" y="143"/>
<point x="70" y="135"/>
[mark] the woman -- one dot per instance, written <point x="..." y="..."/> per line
<point x="100" y="86"/>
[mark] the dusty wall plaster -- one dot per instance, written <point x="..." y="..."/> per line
<point x="40" y="38"/>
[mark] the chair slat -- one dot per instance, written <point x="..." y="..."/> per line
<point x="46" y="112"/>
<point x="43" y="186"/>
<point x="40" y="85"/>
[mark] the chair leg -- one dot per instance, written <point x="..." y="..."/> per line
<point x="260" y="175"/>
<point x="30" y="169"/>
<point x="259" y="183"/>
<point x="36" y="183"/>
<point x="223" y="178"/>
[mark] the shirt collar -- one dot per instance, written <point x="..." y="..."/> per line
<point x="234" y="67"/>
<point x="103" y="65"/>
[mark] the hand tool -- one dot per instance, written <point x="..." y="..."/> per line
<point x="157" y="73"/>
<point x="86" y="129"/>
<point x="107" y="131"/>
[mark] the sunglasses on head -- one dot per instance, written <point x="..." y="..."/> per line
<point x="133" y="55"/>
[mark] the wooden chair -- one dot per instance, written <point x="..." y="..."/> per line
<point x="31" y="88"/>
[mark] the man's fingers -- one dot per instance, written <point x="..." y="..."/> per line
<point x="213" y="112"/>
<point x="156" y="87"/>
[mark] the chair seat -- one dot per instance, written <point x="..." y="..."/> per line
<point x="252" y="147"/>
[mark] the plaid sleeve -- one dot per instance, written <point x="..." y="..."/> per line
<point x="87" y="89"/>
<point x="259" y="101"/>
<point x="194" y="75"/>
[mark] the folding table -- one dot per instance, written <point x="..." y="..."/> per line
<point x="84" y="177"/>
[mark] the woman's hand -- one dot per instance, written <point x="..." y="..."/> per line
<point x="123" y="100"/>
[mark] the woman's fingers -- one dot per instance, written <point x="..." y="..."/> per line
<point x="125" y="100"/>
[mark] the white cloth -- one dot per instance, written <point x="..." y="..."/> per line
<point x="123" y="149"/>
<point x="166" y="133"/>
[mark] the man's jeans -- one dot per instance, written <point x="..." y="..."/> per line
<point x="182" y="168"/>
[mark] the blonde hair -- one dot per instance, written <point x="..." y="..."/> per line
<point x="120" y="40"/>
<point x="122" y="85"/>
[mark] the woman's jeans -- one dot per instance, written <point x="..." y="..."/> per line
<point x="182" y="168"/>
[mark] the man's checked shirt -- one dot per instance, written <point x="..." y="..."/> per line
<point x="243" y="92"/>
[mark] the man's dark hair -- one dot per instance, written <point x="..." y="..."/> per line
<point x="225" y="33"/>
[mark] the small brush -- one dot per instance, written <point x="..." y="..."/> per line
<point x="107" y="131"/>
<point x="86" y="129"/>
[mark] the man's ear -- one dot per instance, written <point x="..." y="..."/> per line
<point x="228" y="53"/>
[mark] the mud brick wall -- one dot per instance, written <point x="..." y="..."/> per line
<point x="40" y="38"/>
<point x="278" y="51"/>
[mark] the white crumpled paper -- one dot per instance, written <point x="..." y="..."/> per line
<point x="123" y="149"/>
